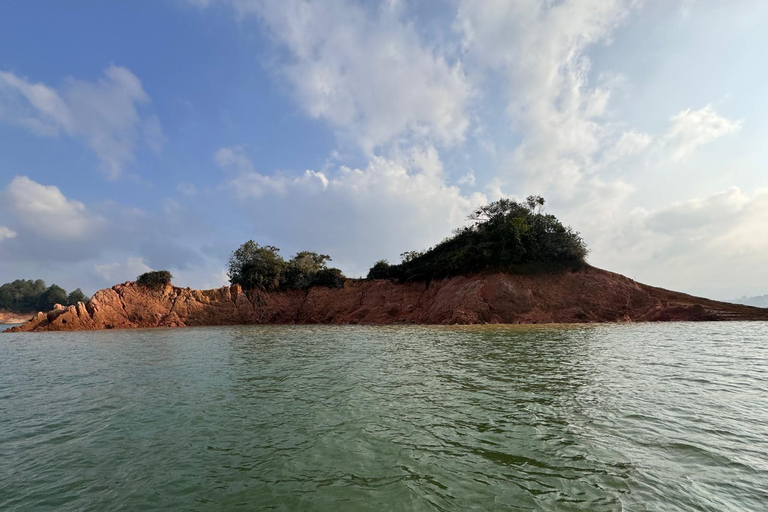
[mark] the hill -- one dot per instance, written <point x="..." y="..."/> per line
<point x="587" y="294"/>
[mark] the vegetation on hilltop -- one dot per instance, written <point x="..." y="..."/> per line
<point x="261" y="267"/>
<point x="25" y="295"/>
<point x="502" y="235"/>
<point x="154" y="279"/>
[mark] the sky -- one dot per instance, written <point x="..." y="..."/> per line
<point x="164" y="134"/>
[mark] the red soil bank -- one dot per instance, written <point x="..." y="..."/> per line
<point x="586" y="295"/>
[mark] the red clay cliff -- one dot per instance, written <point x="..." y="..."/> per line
<point x="585" y="295"/>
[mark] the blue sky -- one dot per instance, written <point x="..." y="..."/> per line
<point x="139" y="135"/>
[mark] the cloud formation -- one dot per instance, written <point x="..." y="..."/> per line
<point x="6" y="233"/>
<point x="45" y="211"/>
<point x="693" y="128"/>
<point x="365" y="71"/>
<point x="106" y="114"/>
<point x="358" y="215"/>
<point x="46" y="228"/>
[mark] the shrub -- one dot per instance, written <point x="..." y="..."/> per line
<point x="302" y="269"/>
<point x="261" y="267"/>
<point x="380" y="270"/>
<point x="154" y="279"/>
<point x="502" y="235"/>
<point x="330" y="277"/>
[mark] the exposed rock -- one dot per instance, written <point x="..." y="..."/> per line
<point x="586" y="295"/>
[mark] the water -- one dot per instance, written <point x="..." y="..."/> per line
<point x="662" y="417"/>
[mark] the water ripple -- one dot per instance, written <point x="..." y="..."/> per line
<point x="643" y="417"/>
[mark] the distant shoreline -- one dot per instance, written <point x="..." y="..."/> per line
<point x="9" y="318"/>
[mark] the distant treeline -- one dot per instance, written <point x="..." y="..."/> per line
<point x="25" y="295"/>
<point x="504" y="235"/>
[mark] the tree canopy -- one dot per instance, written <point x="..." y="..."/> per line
<point x="154" y="279"/>
<point x="25" y="295"/>
<point x="501" y="235"/>
<point x="262" y="267"/>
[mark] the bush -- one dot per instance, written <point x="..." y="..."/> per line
<point x="330" y="277"/>
<point x="380" y="270"/>
<point x="503" y="234"/>
<point x="253" y="266"/>
<point x="154" y="279"/>
<point x="261" y="267"/>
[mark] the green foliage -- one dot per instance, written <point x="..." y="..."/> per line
<point x="503" y="234"/>
<point x="76" y="296"/>
<point x="25" y="295"/>
<point x="330" y="277"/>
<point x="253" y="266"/>
<point x="52" y="296"/>
<point x="261" y="267"/>
<point x="302" y="270"/>
<point x="154" y="279"/>
<point x="380" y="270"/>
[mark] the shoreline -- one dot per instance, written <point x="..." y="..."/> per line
<point x="11" y="318"/>
<point x="585" y="296"/>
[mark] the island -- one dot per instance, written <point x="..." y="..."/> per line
<point x="513" y="264"/>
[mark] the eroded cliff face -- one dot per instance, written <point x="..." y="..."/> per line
<point x="586" y="295"/>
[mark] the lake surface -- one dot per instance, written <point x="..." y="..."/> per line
<point x="646" y="417"/>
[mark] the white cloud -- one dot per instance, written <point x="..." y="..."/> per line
<point x="713" y="245"/>
<point x="105" y="114"/>
<point x="365" y="71"/>
<point x="45" y="211"/>
<point x="692" y="128"/>
<point x="186" y="189"/>
<point x="467" y="179"/>
<point x="233" y="158"/>
<point x="630" y="143"/>
<point x="539" y="47"/>
<point x="6" y="233"/>
<point x="359" y="215"/>
<point x="120" y="272"/>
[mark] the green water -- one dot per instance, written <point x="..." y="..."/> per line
<point x="663" y="417"/>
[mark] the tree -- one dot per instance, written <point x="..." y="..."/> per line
<point x="261" y="267"/>
<point x="154" y="279"/>
<point x="501" y="236"/>
<point x="301" y="270"/>
<point x="27" y="295"/>
<point x="330" y="277"/>
<point x="380" y="270"/>
<point x="76" y="296"/>
<point x="253" y="266"/>
<point x="22" y="295"/>
<point x="53" y="295"/>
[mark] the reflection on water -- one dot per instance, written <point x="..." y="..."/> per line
<point x="622" y="417"/>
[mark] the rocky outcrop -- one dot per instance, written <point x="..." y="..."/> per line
<point x="585" y="295"/>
